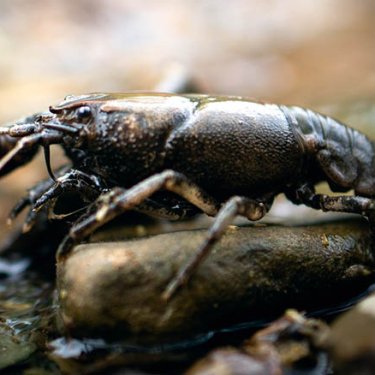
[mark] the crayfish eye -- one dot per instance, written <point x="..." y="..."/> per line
<point x="83" y="113"/>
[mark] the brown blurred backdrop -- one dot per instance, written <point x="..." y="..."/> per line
<point x="281" y="50"/>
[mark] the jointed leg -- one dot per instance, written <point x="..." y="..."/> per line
<point x="120" y="200"/>
<point x="349" y="204"/>
<point x="88" y="186"/>
<point x="31" y="198"/>
<point x="343" y="203"/>
<point x="253" y="210"/>
<point x="166" y="211"/>
<point x="46" y="192"/>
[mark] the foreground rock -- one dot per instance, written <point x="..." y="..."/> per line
<point x="290" y="343"/>
<point x="352" y="340"/>
<point x="116" y="287"/>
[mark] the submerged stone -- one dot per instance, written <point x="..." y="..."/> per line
<point x="289" y="344"/>
<point x="14" y="348"/>
<point x="351" y="343"/>
<point x="115" y="288"/>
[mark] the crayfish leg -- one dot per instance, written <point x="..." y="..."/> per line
<point x="251" y="209"/>
<point x="118" y="200"/>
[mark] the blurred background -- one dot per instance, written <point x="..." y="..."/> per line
<point x="280" y="50"/>
<point x="318" y="54"/>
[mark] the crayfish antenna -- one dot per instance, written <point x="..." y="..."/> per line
<point x="4" y="130"/>
<point x="19" y="130"/>
<point x="31" y="136"/>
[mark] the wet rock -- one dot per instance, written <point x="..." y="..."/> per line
<point x="352" y="340"/>
<point x="14" y="348"/>
<point x="115" y="287"/>
<point x="231" y="361"/>
<point x="290" y="342"/>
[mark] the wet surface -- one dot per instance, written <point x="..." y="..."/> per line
<point x="252" y="272"/>
<point x="319" y="56"/>
<point x="32" y="340"/>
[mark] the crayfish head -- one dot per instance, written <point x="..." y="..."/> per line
<point x="76" y="110"/>
<point x="76" y="117"/>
